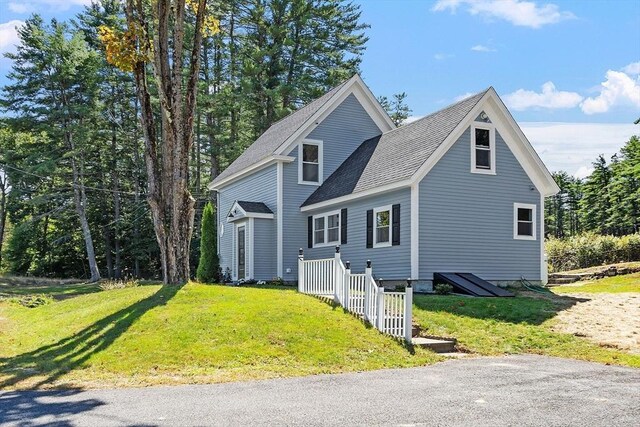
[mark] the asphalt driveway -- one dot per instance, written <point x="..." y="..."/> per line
<point x="515" y="390"/>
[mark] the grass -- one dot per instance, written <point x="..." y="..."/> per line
<point x="192" y="334"/>
<point x="609" y="285"/>
<point x="494" y="326"/>
<point x="9" y="289"/>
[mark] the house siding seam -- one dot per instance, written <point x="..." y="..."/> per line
<point x="342" y="132"/>
<point x="257" y="187"/>
<point x="466" y="219"/>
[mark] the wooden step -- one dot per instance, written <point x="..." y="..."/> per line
<point x="437" y="345"/>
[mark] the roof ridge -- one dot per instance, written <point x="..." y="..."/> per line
<point x="483" y="92"/>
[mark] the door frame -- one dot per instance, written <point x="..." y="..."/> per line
<point x="248" y="248"/>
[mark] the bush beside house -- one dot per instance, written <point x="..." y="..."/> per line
<point x="208" y="265"/>
<point x="590" y="249"/>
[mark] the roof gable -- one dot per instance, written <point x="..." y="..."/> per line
<point x="403" y="156"/>
<point x="279" y="137"/>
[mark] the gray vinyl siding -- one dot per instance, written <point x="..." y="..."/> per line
<point x="341" y="132"/>
<point x="389" y="263"/>
<point x="260" y="186"/>
<point x="264" y="250"/>
<point x="466" y="219"/>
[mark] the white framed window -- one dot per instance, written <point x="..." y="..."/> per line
<point x="326" y="229"/>
<point x="483" y="148"/>
<point x="382" y="221"/>
<point x="310" y="162"/>
<point x="524" y="221"/>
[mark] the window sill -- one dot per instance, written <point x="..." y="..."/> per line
<point x="325" y="245"/>
<point x="516" y="237"/>
<point x="381" y="245"/>
<point x="309" y="183"/>
<point x="483" y="171"/>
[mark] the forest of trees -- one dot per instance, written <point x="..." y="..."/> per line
<point x="606" y="202"/>
<point x="74" y="154"/>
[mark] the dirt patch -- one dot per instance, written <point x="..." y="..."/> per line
<point x="608" y="319"/>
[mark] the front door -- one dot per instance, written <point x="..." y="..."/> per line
<point x="241" y="255"/>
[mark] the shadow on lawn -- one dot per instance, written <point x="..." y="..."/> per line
<point x="54" y="360"/>
<point x="533" y="309"/>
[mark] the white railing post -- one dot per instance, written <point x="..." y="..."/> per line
<point x="347" y="282"/>
<point x="367" y="279"/>
<point x="408" y="311"/>
<point x="301" y="272"/>
<point x="336" y="275"/>
<point x="380" y="315"/>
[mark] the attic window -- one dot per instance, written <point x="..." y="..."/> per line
<point x="310" y="162"/>
<point x="483" y="153"/>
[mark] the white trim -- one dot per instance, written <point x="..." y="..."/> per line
<point x="372" y="192"/>
<point x="268" y="161"/>
<point x="366" y="98"/>
<point x="318" y="143"/>
<point x="534" y="220"/>
<point x="544" y="269"/>
<point x="236" y="206"/>
<point x="220" y="232"/>
<point x="326" y="216"/>
<point x="415" y="231"/>
<point x="492" y="148"/>
<point x="375" y="226"/>
<point x="248" y="248"/>
<point x="279" y="218"/>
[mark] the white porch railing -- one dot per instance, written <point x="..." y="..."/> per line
<point x="359" y="293"/>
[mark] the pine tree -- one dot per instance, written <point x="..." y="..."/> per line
<point x="397" y="107"/>
<point x="209" y="264"/>
<point x="595" y="204"/>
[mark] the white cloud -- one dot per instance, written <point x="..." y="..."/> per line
<point x="51" y="5"/>
<point x="20" y="7"/>
<point x="411" y="119"/>
<point x="442" y="56"/>
<point x="583" y="172"/>
<point x="619" y="88"/>
<point x="632" y="69"/>
<point x="482" y="48"/>
<point x="463" y="96"/>
<point x="517" y="12"/>
<point x="550" y="98"/>
<point x="9" y="35"/>
<point x="572" y="147"/>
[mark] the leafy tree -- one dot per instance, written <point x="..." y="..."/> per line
<point x="209" y="264"/>
<point x="397" y="107"/>
<point x="54" y="88"/>
<point x="595" y="204"/>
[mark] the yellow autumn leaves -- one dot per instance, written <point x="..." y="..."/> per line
<point x="123" y="50"/>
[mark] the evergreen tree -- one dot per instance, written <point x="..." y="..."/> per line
<point x="595" y="204"/>
<point x="209" y="264"/>
<point x="397" y="107"/>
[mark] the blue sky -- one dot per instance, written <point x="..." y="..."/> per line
<point x="568" y="70"/>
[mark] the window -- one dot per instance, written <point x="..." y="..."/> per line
<point x="326" y="229"/>
<point x="483" y="155"/>
<point x="310" y="162"/>
<point x="524" y="221"/>
<point x="382" y="227"/>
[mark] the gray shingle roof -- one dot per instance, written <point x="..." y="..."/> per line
<point x="395" y="155"/>
<point x="255" y="207"/>
<point x="273" y="137"/>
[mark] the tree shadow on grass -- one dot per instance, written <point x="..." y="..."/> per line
<point x="529" y="308"/>
<point x="54" y="360"/>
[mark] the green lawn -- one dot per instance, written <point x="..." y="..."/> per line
<point x="59" y="291"/>
<point x="194" y="334"/>
<point x="492" y="326"/>
<point x="609" y="285"/>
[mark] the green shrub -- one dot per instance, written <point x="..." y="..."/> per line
<point x="443" y="289"/>
<point x="208" y="265"/>
<point x="108" y="285"/>
<point x="590" y="249"/>
<point x="33" y="301"/>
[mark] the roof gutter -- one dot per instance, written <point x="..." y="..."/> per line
<point x="267" y="161"/>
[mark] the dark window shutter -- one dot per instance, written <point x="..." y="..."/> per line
<point x="343" y="226"/>
<point x="310" y="232"/>
<point x="370" y="228"/>
<point x="395" y="225"/>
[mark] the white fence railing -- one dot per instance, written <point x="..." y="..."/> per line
<point x="359" y="293"/>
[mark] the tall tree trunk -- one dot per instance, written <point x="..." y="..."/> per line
<point x="115" y="179"/>
<point x="172" y="207"/>
<point x="3" y="210"/>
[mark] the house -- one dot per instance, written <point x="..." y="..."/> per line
<point x="460" y="190"/>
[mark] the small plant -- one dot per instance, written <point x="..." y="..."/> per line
<point x="109" y="285"/>
<point x="443" y="289"/>
<point x="276" y="281"/>
<point x="33" y="301"/>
